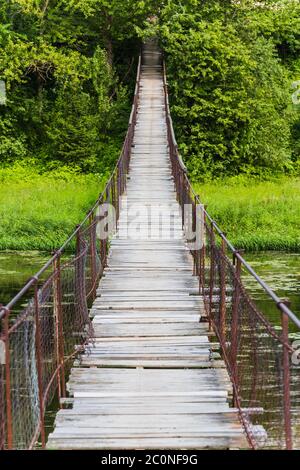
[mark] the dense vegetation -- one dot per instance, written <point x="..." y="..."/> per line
<point x="69" y="68"/>
<point x="231" y="67"/>
<point x="68" y="65"/>
<point x="254" y="214"/>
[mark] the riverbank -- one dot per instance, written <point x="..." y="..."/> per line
<point x="38" y="211"/>
<point x="256" y="215"/>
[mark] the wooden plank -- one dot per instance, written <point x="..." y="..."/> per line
<point x="147" y="443"/>
<point x="176" y="363"/>
<point x="149" y="379"/>
<point x="122" y="331"/>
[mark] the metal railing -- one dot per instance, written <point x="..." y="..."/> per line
<point x="37" y="345"/>
<point x="258" y="354"/>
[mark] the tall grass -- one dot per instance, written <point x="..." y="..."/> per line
<point x="39" y="211"/>
<point x="256" y="215"/>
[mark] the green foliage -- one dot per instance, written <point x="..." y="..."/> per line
<point x="66" y="100"/>
<point x="275" y="19"/>
<point x="256" y="215"/>
<point x="29" y="200"/>
<point x="230" y="91"/>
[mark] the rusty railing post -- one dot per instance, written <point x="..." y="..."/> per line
<point x="80" y="273"/>
<point x="286" y="379"/>
<point x="196" y="253"/>
<point x="39" y="364"/>
<point x="113" y="192"/>
<point x="9" y="420"/>
<point x="223" y="293"/>
<point x="212" y="274"/>
<point x="203" y="248"/>
<point x="235" y="323"/>
<point x="93" y="253"/>
<point x="103" y="240"/>
<point x="59" y="334"/>
<point x="183" y="196"/>
<point x="117" y="195"/>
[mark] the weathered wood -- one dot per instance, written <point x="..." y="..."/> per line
<point x="73" y="442"/>
<point x="150" y="378"/>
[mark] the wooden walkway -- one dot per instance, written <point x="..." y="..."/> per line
<point x="152" y="378"/>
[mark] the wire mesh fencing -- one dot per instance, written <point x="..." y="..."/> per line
<point x="39" y="343"/>
<point x="258" y="355"/>
<point x="262" y="362"/>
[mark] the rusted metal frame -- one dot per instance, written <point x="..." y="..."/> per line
<point x="182" y="196"/>
<point x="81" y="252"/>
<point x="77" y="350"/>
<point x="92" y="234"/>
<point x="212" y="275"/>
<point x="59" y="334"/>
<point x="4" y="315"/>
<point x="8" y="399"/>
<point x="222" y="293"/>
<point x="103" y="248"/>
<point x="124" y="167"/>
<point x="235" y="325"/>
<point x="251" y="271"/>
<point x="103" y="241"/>
<point x="113" y="194"/>
<point x="196" y="253"/>
<point x="2" y="396"/>
<point x="244" y="421"/>
<point x="286" y="380"/>
<point x="221" y="329"/>
<point x="39" y="361"/>
<point x="203" y="248"/>
<point x="119" y="188"/>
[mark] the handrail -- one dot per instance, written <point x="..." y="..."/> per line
<point x="31" y="282"/>
<point x="258" y="354"/>
<point x="169" y="119"/>
<point x="279" y="302"/>
<point x="54" y="325"/>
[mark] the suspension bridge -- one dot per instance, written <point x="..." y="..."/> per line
<point x="149" y="341"/>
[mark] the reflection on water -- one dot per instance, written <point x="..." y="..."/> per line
<point x="16" y="268"/>
<point x="281" y="271"/>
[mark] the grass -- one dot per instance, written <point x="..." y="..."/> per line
<point x="39" y="211"/>
<point x="256" y="215"/>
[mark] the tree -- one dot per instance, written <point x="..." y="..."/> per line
<point x="63" y="88"/>
<point x="229" y="95"/>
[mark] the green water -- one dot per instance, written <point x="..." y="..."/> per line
<point x="16" y="268"/>
<point x="281" y="271"/>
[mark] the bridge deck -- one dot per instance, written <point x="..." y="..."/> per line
<point x="151" y="379"/>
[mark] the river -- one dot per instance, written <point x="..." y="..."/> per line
<point x="280" y="270"/>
